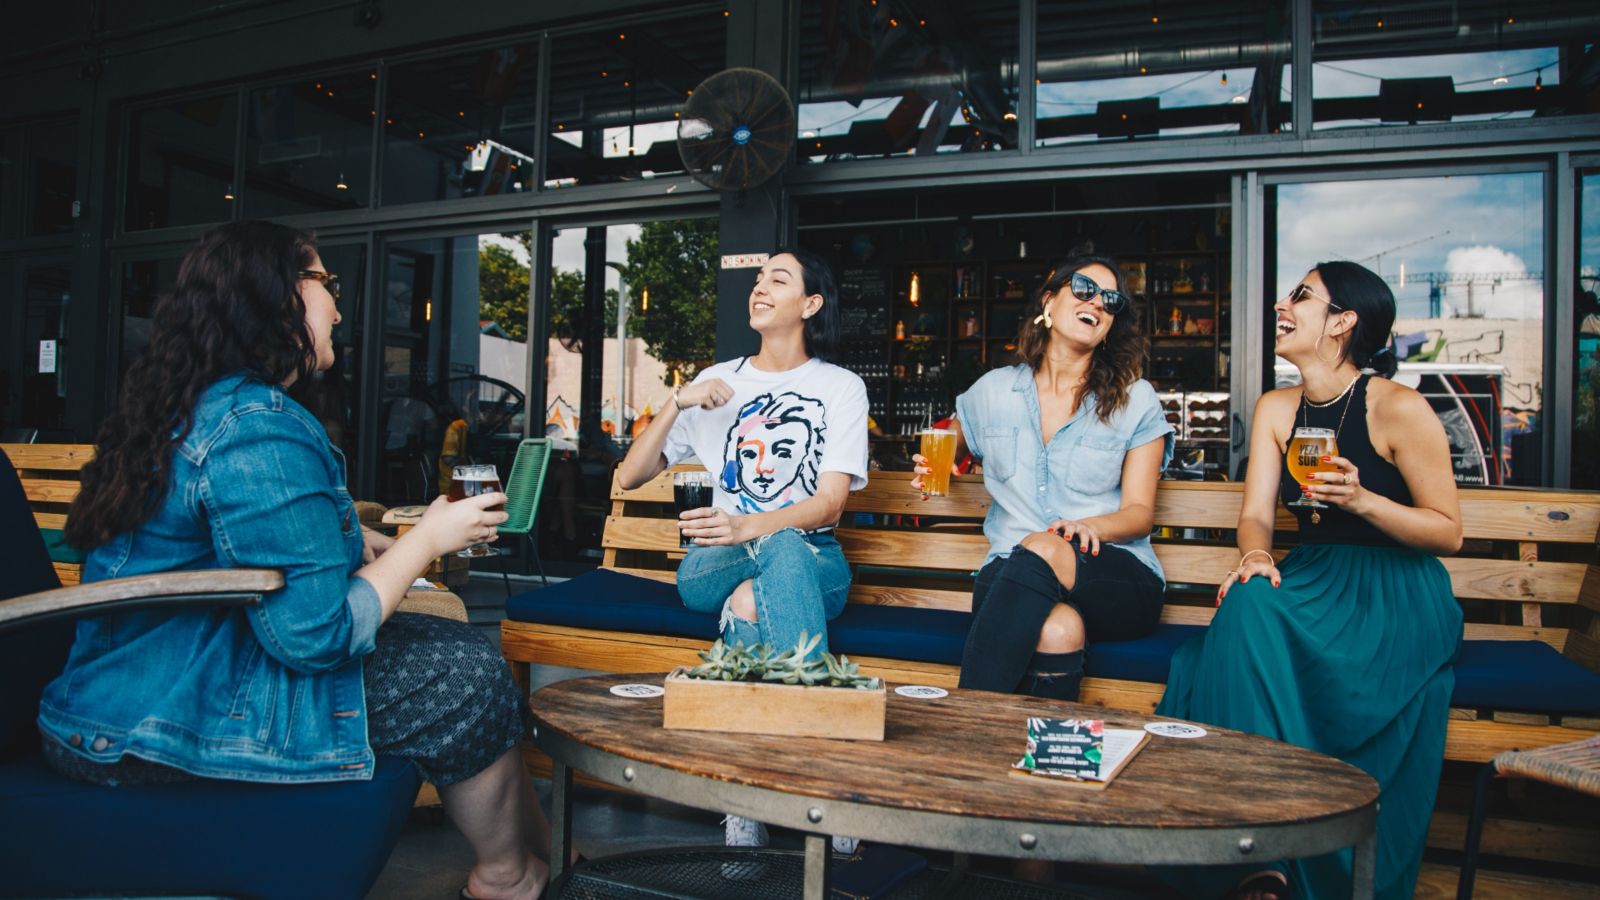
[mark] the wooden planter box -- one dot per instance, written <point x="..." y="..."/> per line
<point x="751" y="707"/>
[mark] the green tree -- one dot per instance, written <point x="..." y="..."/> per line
<point x="503" y="289"/>
<point x="677" y="262"/>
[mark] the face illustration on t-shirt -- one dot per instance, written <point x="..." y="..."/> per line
<point x="773" y="451"/>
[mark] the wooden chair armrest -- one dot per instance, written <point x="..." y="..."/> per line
<point x="210" y="587"/>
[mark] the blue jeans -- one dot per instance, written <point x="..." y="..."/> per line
<point x="801" y="581"/>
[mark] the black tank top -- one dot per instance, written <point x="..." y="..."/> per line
<point x="1377" y="474"/>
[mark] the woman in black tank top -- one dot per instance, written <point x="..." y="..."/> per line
<point x="1346" y="645"/>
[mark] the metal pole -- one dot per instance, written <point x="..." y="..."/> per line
<point x="1364" y="865"/>
<point x="622" y="345"/>
<point x="819" y="877"/>
<point x="560" y="816"/>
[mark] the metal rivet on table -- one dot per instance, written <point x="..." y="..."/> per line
<point x="814" y="814"/>
<point x="628" y="774"/>
<point x="1247" y="845"/>
<point x="1028" y="841"/>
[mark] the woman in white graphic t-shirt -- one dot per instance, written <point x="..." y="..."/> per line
<point x="784" y="434"/>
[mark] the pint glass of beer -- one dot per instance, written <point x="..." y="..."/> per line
<point x="1305" y="453"/>
<point x="690" y="490"/>
<point x="939" y="449"/>
<point x="470" y="481"/>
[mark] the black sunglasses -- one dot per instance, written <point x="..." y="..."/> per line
<point x="1084" y="288"/>
<point x="1302" y="291"/>
<point x="328" y="279"/>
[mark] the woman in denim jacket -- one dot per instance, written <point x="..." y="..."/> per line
<point x="1072" y="442"/>
<point x="207" y="464"/>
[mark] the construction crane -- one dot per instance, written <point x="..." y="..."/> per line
<point x="1438" y="281"/>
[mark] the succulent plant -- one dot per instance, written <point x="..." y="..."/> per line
<point x="795" y="665"/>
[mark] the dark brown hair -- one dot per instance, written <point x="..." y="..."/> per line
<point x="1116" y="364"/>
<point x="236" y="307"/>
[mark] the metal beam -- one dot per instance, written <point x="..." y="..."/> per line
<point x="1561" y="339"/>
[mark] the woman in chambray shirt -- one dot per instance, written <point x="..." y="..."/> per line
<point x="210" y="463"/>
<point x="1072" y="442"/>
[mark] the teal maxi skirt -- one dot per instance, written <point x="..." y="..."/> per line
<point x="1351" y="657"/>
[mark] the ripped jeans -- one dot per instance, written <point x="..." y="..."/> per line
<point x="801" y="581"/>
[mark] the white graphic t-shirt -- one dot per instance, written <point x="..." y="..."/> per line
<point x="766" y="446"/>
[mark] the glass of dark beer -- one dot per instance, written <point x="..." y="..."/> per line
<point x="470" y="481"/>
<point x="690" y="490"/>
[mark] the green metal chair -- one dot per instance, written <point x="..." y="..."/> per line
<point x="523" y="489"/>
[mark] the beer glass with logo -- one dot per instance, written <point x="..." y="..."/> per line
<point x="690" y="490"/>
<point x="1305" y="453"/>
<point x="939" y="449"/>
<point x="470" y="481"/>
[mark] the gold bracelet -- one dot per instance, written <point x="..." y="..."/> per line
<point x="1237" y="568"/>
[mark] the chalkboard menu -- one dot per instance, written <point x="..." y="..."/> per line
<point x="864" y="303"/>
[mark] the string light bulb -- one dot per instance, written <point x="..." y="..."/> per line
<point x="340" y="184"/>
<point x="916" y="289"/>
<point x="1224" y="78"/>
<point x="644" y="300"/>
<point x="1538" y="82"/>
<point x="1500" y="80"/>
<point x="228" y="193"/>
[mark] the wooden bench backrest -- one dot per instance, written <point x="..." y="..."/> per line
<point x="1500" y="575"/>
<point x="49" y="474"/>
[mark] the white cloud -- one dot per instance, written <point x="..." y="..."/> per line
<point x="1499" y="293"/>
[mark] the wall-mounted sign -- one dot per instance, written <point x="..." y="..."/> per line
<point x="744" y="260"/>
<point x="47" y="357"/>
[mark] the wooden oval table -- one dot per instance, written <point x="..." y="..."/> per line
<point x="942" y="780"/>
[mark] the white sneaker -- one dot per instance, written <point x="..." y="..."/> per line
<point x="845" y="845"/>
<point x="737" y="831"/>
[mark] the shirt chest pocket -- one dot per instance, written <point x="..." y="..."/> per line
<point x="1094" y="464"/>
<point x="999" y="453"/>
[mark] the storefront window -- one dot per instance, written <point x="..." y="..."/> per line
<point x="1586" y="339"/>
<point x="143" y="281"/>
<point x="47" y="291"/>
<point x="615" y="96"/>
<point x="1382" y="64"/>
<point x="918" y="78"/>
<point x="1464" y="256"/>
<point x="10" y="147"/>
<point x="461" y="125"/>
<point x="334" y="396"/>
<point x="52" y="177"/>
<point x="180" y="163"/>
<point x="308" y="145"/>
<point x="1162" y="70"/>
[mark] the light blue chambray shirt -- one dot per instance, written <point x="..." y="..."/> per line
<point x="1078" y="475"/>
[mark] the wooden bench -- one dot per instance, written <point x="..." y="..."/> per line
<point x="1527" y="572"/>
<point x="49" y="474"/>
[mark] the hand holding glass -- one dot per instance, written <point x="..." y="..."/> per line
<point x="471" y="481"/>
<point x="939" y="449"/>
<point x="1305" y="453"/>
<point x="690" y="490"/>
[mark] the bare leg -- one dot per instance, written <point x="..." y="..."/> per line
<point x="1062" y="631"/>
<point x="490" y="809"/>
<point x="743" y="600"/>
<point x="1058" y="553"/>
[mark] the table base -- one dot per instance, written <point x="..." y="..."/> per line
<point x="717" y="873"/>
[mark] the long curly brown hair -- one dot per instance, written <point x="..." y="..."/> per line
<point x="1116" y="364"/>
<point x="236" y="307"/>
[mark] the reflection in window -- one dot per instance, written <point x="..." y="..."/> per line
<point x="180" y="163"/>
<point x="10" y="147"/>
<point x="878" y="79"/>
<point x="52" y="176"/>
<point x="143" y="281"/>
<point x="1440" y="61"/>
<point x="1586" y="397"/>
<point x="1464" y="257"/>
<point x="1168" y="69"/>
<point x="461" y="125"/>
<point x="454" y="359"/>
<point x="308" y="145"/>
<point x="615" y="96"/>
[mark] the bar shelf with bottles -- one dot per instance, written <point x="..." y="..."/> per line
<point x="1187" y="321"/>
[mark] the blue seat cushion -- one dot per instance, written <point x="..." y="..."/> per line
<point x="613" y="601"/>
<point x="60" y="837"/>
<point x="55" y="541"/>
<point x="1530" y="676"/>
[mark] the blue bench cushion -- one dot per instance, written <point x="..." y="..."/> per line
<point x="1529" y="676"/>
<point x="55" y="541"/>
<point x="60" y="837"/>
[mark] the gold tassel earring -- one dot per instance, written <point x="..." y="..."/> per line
<point x="1044" y="318"/>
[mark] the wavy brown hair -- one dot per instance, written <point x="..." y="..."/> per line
<point x="1116" y="364"/>
<point x="236" y="307"/>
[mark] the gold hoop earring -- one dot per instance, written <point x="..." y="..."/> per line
<point x="1317" y="349"/>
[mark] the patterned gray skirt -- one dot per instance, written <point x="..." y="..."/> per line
<point x="438" y="694"/>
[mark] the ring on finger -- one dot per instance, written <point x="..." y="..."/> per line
<point x="1347" y="478"/>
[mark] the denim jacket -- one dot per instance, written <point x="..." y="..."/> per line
<point x="265" y="693"/>
<point x="1077" y="475"/>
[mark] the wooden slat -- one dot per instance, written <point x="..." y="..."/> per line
<point x="1542" y="841"/>
<point x="68" y="574"/>
<point x="919" y="549"/>
<point x="1479" y="741"/>
<point x="50" y="490"/>
<point x="891" y="493"/>
<point x="57" y="521"/>
<point x="59" y="457"/>
<point x="921" y="598"/>
<point x="1438" y="882"/>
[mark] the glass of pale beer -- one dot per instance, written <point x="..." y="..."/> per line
<point x="470" y="481"/>
<point x="939" y="449"/>
<point x="1305" y="453"/>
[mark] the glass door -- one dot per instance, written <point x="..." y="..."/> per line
<point x="1464" y="254"/>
